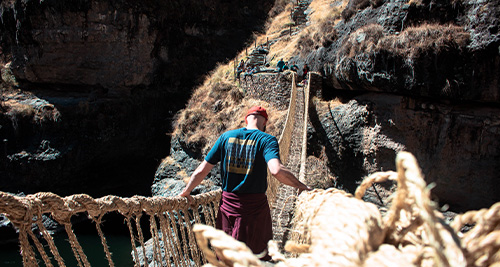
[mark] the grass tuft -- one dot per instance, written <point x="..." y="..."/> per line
<point x="411" y="43"/>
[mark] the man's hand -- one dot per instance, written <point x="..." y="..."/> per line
<point x="188" y="196"/>
<point x="307" y="188"/>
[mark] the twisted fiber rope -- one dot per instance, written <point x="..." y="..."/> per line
<point x="284" y="143"/>
<point x="413" y="218"/>
<point x="332" y="228"/>
<point x="132" y="240"/>
<point x="230" y="251"/>
<point x="24" y="211"/>
<point x="303" y="156"/>
<point x="482" y="242"/>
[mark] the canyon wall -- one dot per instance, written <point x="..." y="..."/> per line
<point x="420" y="76"/>
<point x="96" y="84"/>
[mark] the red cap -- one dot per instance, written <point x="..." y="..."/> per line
<point x="256" y="110"/>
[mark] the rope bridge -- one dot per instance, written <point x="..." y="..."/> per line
<point x="171" y="219"/>
<point x="333" y="228"/>
<point x="318" y="228"/>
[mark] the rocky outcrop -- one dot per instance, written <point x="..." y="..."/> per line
<point x="455" y="145"/>
<point x="422" y="77"/>
<point x="446" y="50"/>
<point x="115" y="72"/>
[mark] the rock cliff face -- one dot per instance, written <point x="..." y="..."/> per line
<point x="422" y="77"/>
<point x="106" y="77"/>
<point x="110" y="74"/>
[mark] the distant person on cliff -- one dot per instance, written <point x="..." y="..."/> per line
<point x="286" y="67"/>
<point x="240" y="68"/>
<point x="249" y="73"/>
<point x="305" y="70"/>
<point x="245" y="155"/>
<point x="280" y="65"/>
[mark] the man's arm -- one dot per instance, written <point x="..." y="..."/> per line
<point x="284" y="175"/>
<point x="198" y="175"/>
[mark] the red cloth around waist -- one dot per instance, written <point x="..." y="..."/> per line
<point x="243" y="204"/>
<point x="247" y="218"/>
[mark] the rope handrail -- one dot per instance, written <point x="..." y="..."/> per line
<point x="294" y="143"/>
<point x="284" y="141"/>
<point x="307" y="96"/>
<point x="170" y="212"/>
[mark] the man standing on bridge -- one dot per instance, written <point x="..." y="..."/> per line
<point x="245" y="156"/>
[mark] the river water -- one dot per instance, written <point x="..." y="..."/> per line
<point x="119" y="245"/>
<point x="117" y="239"/>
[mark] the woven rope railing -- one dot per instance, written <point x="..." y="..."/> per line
<point x="284" y="141"/>
<point x="171" y="220"/>
<point x="283" y="202"/>
<point x="303" y="156"/>
<point x="334" y="228"/>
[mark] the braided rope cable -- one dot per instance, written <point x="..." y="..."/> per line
<point x="156" y="240"/>
<point x="37" y="205"/>
<point x="191" y="241"/>
<point x="50" y="241"/>
<point x="137" y="219"/>
<point x="177" y="232"/>
<point x="26" y="250"/>
<point x="39" y="246"/>
<point x="167" y="241"/>
<point x="181" y="220"/>
<point x="412" y="217"/>
<point x="104" y="244"/>
<point x="80" y="257"/>
<point x="132" y="240"/>
<point x="482" y="242"/>
<point x="227" y="249"/>
<point x="338" y="229"/>
<point x="23" y="211"/>
<point x="284" y="142"/>
<point x="303" y="156"/>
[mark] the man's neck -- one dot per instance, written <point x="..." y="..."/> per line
<point x="252" y="127"/>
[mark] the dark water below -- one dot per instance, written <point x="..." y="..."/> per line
<point x="119" y="245"/>
<point x="117" y="238"/>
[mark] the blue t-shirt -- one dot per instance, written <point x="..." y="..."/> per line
<point x="244" y="154"/>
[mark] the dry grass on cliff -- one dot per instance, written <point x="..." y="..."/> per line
<point x="215" y="107"/>
<point x="280" y="22"/>
<point x="220" y="104"/>
<point x="411" y="43"/>
<point x="426" y="38"/>
<point x="319" y="31"/>
<point x="202" y="126"/>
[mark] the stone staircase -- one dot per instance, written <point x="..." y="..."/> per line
<point x="258" y="56"/>
<point x="299" y="14"/>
